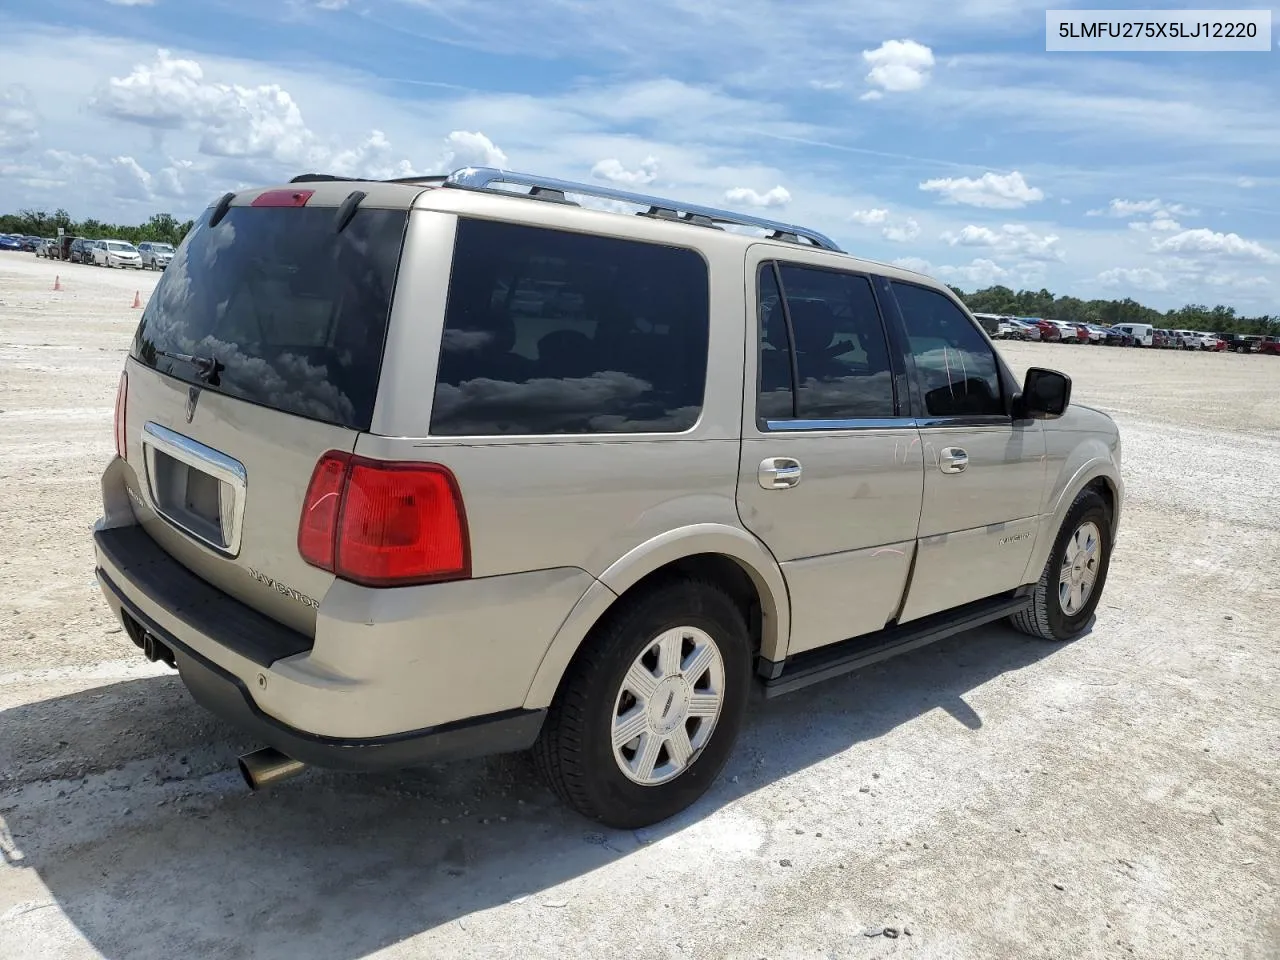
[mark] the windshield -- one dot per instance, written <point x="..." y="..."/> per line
<point x="292" y="313"/>
<point x="121" y="247"/>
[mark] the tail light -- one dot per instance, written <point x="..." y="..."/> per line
<point x="384" y="524"/>
<point x="122" y="400"/>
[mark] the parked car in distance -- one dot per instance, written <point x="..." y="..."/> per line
<point x="1140" y="332"/>
<point x="1079" y="331"/>
<point x="1237" y="343"/>
<point x="325" y="546"/>
<point x="1269" y="345"/>
<point x="155" y="256"/>
<point x="1208" y="341"/>
<point x="1249" y="343"/>
<point x="116" y="253"/>
<point x="1161" y="338"/>
<point x="1019" y="329"/>
<point x="1050" y="332"/>
<point x="1116" y="337"/>
<point x="10" y="243"/>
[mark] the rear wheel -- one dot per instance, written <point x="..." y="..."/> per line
<point x="648" y="712"/>
<point x="1070" y="586"/>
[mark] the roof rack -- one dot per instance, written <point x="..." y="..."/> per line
<point x="551" y="189"/>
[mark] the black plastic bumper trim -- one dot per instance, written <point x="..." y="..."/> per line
<point x="237" y="626"/>
<point x="225" y="695"/>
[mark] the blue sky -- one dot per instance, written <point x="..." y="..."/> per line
<point x="937" y="133"/>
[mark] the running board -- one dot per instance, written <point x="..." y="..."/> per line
<point x="826" y="662"/>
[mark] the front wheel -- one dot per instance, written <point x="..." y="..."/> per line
<point x="648" y="712"/>
<point x="1070" y="587"/>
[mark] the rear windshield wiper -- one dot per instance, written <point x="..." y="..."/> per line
<point x="207" y="368"/>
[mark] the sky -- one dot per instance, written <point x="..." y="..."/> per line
<point x="938" y="134"/>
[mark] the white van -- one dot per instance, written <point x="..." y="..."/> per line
<point x="1142" y="333"/>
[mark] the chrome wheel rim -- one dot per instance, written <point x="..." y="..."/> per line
<point x="667" y="706"/>
<point x="1080" y="565"/>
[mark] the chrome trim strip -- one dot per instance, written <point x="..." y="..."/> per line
<point x="865" y="423"/>
<point x="888" y="423"/>
<point x="233" y="481"/>
<point x="196" y="454"/>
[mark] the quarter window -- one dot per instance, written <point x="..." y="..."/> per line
<point x="955" y="365"/>
<point x="842" y="368"/>
<point x="551" y="332"/>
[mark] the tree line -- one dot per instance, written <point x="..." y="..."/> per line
<point x="1042" y="303"/>
<point x="159" y="227"/>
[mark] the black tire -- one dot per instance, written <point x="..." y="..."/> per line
<point x="575" y="751"/>
<point x="1044" y="617"/>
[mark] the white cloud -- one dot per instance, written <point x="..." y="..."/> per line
<point x="19" y="121"/>
<point x="826" y="84"/>
<point x="372" y="159"/>
<point x="132" y="3"/>
<point x="132" y="182"/>
<point x="897" y="232"/>
<point x="1246" y="183"/>
<point x="872" y="95"/>
<point x="914" y="263"/>
<point x="1139" y="278"/>
<point x="465" y="148"/>
<point x="232" y="120"/>
<point x="903" y="232"/>
<point x="1011" y="239"/>
<point x="991" y="190"/>
<point x="1160" y="224"/>
<point x="1209" y="242"/>
<point x="1156" y="208"/>
<point x="899" y="65"/>
<point x="980" y="273"/>
<point x="777" y="197"/>
<point x="870" y="218"/>
<point x="611" y="169"/>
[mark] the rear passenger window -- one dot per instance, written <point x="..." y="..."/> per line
<point x="841" y="355"/>
<point x="956" y="366"/>
<point x="550" y="332"/>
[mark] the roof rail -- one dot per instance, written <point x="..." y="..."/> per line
<point x="549" y="188"/>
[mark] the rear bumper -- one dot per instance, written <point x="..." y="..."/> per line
<point x="126" y="570"/>
<point x="224" y="694"/>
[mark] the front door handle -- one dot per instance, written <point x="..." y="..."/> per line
<point x="779" y="473"/>
<point x="952" y="460"/>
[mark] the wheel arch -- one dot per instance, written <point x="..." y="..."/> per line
<point x="1098" y="473"/>
<point x="724" y="555"/>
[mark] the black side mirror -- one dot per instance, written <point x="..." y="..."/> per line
<point x="1045" y="395"/>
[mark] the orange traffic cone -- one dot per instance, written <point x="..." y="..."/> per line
<point x="137" y="300"/>
<point x="57" y="282"/>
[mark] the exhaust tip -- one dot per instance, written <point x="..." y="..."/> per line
<point x="267" y="766"/>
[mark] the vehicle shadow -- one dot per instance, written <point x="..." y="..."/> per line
<point x="152" y="847"/>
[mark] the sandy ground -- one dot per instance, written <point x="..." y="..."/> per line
<point x="993" y="796"/>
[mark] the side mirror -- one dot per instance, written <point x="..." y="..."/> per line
<point x="1045" y="395"/>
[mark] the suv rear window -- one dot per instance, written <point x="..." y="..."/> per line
<point x="294" y="313"/>
<point x="551" y="332"/>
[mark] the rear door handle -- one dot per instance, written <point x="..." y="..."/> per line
<point x="952" y="460"/>
<point x="778" y="473"/>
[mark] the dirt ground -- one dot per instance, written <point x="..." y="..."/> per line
<point x="990" y="796"/>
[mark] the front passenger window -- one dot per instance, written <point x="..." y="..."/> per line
<point x="956" y="366"/>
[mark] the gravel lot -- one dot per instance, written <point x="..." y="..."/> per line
<point x="987" y="797"/>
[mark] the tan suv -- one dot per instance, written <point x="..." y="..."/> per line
<point x="419" y="470"/>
